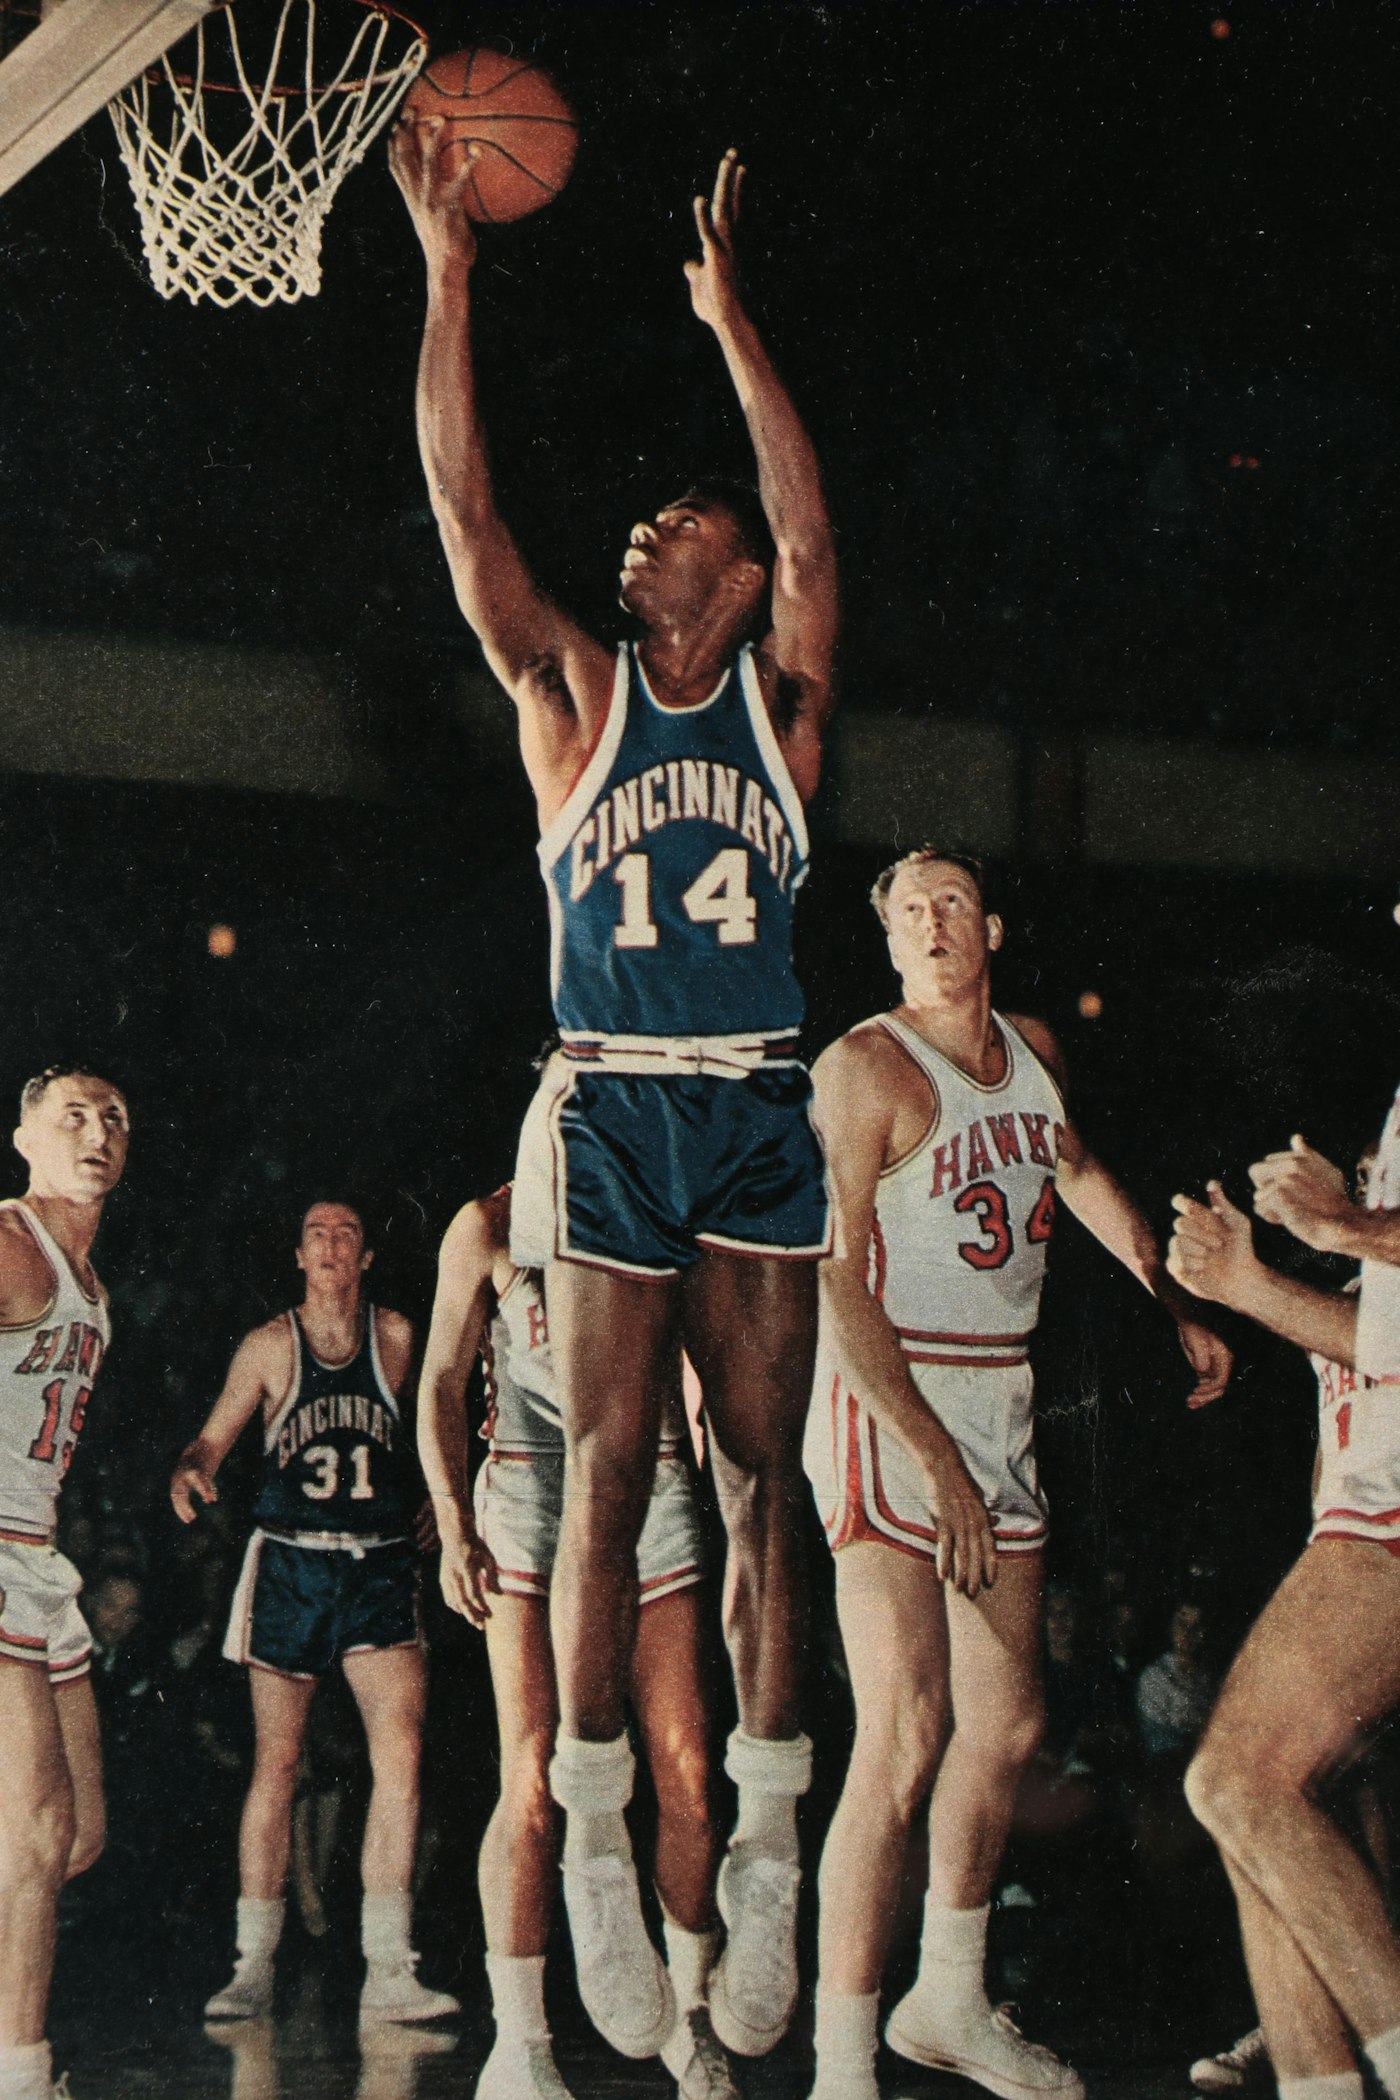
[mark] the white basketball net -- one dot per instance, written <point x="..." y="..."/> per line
<point x="233" y="182"/>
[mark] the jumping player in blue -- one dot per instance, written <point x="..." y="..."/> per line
<point x="330" y="1574"/>
<point x="689" y="1201"/>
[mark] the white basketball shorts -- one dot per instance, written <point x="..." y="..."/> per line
<point x="867" y="1486"/>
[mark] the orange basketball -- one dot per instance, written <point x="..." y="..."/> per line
<point x="507" y="119"/>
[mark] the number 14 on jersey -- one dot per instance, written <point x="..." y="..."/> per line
<point x="719" y="896"/>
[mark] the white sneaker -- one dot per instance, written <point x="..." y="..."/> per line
<point x="990" y="2050"/>
<point x="392" y="1992"/>
<point x="753" y="1988"/>
<point x="622" y="1980"/>
<point x="696" y="2061"/>
<point x="248" y="1993"/>
<point x="521" y="2071"/>
<point x="1233" y="2068"/>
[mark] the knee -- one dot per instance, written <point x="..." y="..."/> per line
<point x="39" y="1840"/>
<point x="1233" y="1794"/>
<point x="89" y="1843"/>
<point x="1006" y="1739"/>
<point x="527" y="1805"/>
<point x="683" y="1777"/>
<point x="607" y="1489"/>
<point x="1022" y="1733"/>
<point x="275" y="1767"/>
<point x="900" y="1759"/>
<point x="394" y="1758"/>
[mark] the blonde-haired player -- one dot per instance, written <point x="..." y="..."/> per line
<point x="54" y="1331"/>
<point x="948" y="1144"/>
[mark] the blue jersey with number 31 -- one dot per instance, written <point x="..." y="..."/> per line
<point x="672" y="869"/>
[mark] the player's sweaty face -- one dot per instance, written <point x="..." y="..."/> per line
<point x="676" y="558"/>
<point x="332" y="1243"/>
<point x="75" y="1139"/>
<point x="937" y="925"/>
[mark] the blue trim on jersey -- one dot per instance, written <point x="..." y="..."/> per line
<point x="672" y="868"/>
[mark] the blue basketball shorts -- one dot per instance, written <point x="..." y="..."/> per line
<point x="297" y="1609"/>
<point x="642" y="1173"/>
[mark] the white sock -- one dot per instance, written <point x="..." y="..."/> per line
<point x="385" y="1923"/>
<point x="26" y="2071"/>
<point x="1384" y="2053"/>
<point x="846" y="2035"/>
<point x="1331" y="2085"/>
<point x="690" y="1956"/>
<point x="770" y="1775"/>
<point x="259" y="1926"/>
<point x="517" y="1997"/>
<point x="592" y="1782"/>
<point x="952" y="1960"/>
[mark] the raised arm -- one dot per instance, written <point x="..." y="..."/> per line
<point x="472" y="1248"/>
<point x="1104" y="1207"/>
<point x="853" y="1109"/>
<point x="1212" y="1254"/>
<point x="806" y="607"/>
<point x="261" y="1366"/>
<point x="559" y="678"/>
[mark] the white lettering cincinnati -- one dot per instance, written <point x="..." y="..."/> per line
<point x="329" y="1412"/>
<point x="676" y="793"/>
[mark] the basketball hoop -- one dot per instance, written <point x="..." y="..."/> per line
<point x="237" y="140"/>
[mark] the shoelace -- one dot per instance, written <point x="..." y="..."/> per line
<point x="1003" y="2019"/>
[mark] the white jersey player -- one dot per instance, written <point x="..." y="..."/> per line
<point x="53" y="1335"/>
<point x="1321" y="1666"/>
<point x="498" y="1555"/>
<point x="947" y="1141"/>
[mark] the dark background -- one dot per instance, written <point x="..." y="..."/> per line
<point x="1092" y="315"/>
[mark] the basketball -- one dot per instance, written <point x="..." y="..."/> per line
<point x="507" y="119"/>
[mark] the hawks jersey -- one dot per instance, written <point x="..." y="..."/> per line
<point x="961" y="1226"/>
<point x="47" y="1368"/>
<point x="1378" y="1318"/>
<point x="522" y="1411"/>
<point x="1357" y="1491"/>
<point x="672" y="869"/>
<point x="333" y="1453"/>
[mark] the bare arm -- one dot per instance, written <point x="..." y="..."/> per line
<point x="806" y="608"/>
<point x="1212" y="1254"/>
<point x="472" y="1248"/>
<point x="559" y="678"/>
<point x="261" y="1366"/>
<point x="1104" y="1207"/>
<point x="1305" y="1193"/>
<point x="854" y="1111"/>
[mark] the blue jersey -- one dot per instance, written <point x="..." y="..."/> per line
<point x="333" y="1453"/>
<point x="672" y="870"/>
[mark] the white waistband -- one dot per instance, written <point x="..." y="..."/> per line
<point x="711" y="1056"/>
<point x="333" y="1541"/>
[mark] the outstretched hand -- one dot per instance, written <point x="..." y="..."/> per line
<point x="714" y="279"/>
<point x="186" y="1482"/>
<point x="1304" y="1193"/>
<point x="1212" y="1248"/>
<point x="434" y="187"/>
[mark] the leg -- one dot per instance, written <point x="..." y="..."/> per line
<point x="519" y="1861"/>
<point x="390" y="1689"/>
<point x="994" y="1643"/>
<point x="37" y="1828"/>
<point x="750" y="1331"/>
<point x="610" y="1396"/>
<point x="82" y="1751"/>
<point x="1306" y="2034"/>
<point x="280" y="1709"/>
<point x="389" y="1686"/>
<point x="614" y="1341"/>
<point x="895" y="1632"/>
<point x="673" y="1709"/>
<point x="998" y="1719"/>
<point x="1320" y="1666"/>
